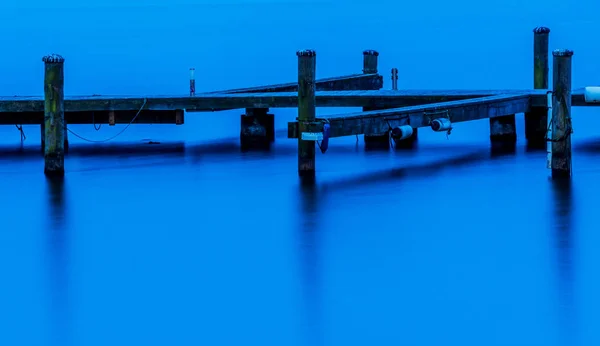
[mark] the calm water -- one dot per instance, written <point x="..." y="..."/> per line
<point x="191" y="242"/>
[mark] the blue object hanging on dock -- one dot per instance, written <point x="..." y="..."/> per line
<point x="325" y="142"/>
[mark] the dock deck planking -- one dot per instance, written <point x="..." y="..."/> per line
<point x="419" y="116"/>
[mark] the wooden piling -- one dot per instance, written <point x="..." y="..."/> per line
<point x="43" y="137"/>
<point x="370" y="58"/>
<point x="536" y="121"/>
<point x="257" y="128"/>
<point x="503" y="134"/>
<point x="306" y="111"/>
<point x="561" y="113"/>
<point x="373" y="140"/>
<point x="394" y="78"/>
<point x="54" y="123"/>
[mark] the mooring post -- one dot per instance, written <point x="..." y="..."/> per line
<point x="394" y="78"/>
<point x="307" y="69"/>
<point x="54" y="115"/>
<point x="536" y="121"/>
<point x="373" y="140"/>
<point x="561" y="113"/>
<point x="192" y="82"/>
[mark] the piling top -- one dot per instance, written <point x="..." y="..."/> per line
<point x="541" y="30"/>
<point x="306" y="52"/>
<point x="53" y="59"/>
<point x="562" y="52"/>
<point x="371" y="52"/>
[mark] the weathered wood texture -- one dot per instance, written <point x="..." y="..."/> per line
<point x="257" y="126"/>
<point x="96" y="117"/>
<point x="370" y="58"/>
<point x="561" y="113"/>
<point x="209" y="102"/>
<point x="54" y="124"/>
<point x="537" y="119"/>
<point x="306" y="110"/>
<point x="371" y="81"/>
<point x="374" y="140"/>
<point x="503" y="129"/>
<point x="419" y="116"/>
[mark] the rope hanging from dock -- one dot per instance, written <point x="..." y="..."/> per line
<point x="20" y="128"/>
<point x="113" y="137"/>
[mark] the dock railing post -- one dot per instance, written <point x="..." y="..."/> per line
<point x="561" y="113"/>
<point x="536" y="121"/>
<point x="373" y="140"/>
<point x="54" y="115"/>
<point x="306" y="110"/>
<point x="394" y="78"/>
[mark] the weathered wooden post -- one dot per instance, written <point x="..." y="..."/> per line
<point x="54" y="115"/>
<point x="536" y="121"/>
<point x="257" y="128"/>
<point x="192" y="82"/>
<point x="503" y="133"/>
<point x="394" y="78"/>
<point x="373" y="140"/>
<point x="306" y="111"/>
<point x="561" y="113"/>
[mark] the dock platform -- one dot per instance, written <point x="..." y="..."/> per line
<point x="386" y="114"/>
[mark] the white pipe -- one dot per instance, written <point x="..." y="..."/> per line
<point x="592" y="94"/>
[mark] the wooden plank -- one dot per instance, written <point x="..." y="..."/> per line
<point x="372" y="81"/>
<point x="214" y="102"/>
<point x="419" y="116"/>
<point x="357" y="98"/>
<point x="93" y="117"/>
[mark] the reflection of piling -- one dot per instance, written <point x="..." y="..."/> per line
<point x="306" y="110"/>
<point x="561" y="113"/>
<point x="536" y="121"/>
<point x="54" y="115"/>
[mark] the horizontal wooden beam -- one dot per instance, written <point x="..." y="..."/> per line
<point x="379" y="121"/>
<point x="356" y="98"/>
<point x="371" y="81"/>
<point x="214" y="102"/>
<point x="96" y="117"/>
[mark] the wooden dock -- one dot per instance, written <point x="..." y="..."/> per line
<point x="395" y="114"/>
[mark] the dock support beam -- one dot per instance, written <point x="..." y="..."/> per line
<point x="373" y="140"/>
<point x="503" y="133"/>
<point x="536" y="121"/>
<point x="561" y="113"/>
<point x="306" y="111"/>
<point x="54" y="115"/>
<point x="257" y="128"/>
